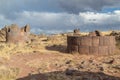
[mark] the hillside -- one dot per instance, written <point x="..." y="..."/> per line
<point x="46" y="58"/>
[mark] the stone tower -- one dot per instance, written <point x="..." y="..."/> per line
<point x="14" y="34"/>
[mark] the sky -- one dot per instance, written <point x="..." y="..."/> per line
<point x="56" y="16"/>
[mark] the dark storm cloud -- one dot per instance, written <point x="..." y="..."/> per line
<point x="51" y="16"/>
<point x="76" y="6"/>
<point x="30" y="5"/>
<point x="10" y="7"/>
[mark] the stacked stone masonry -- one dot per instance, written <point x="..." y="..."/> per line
<point x="100" y="45"/>
<point x="14" y="34"/>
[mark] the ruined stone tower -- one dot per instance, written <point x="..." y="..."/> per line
<point x="14" y="34"/>
<point x="94" y="43"/>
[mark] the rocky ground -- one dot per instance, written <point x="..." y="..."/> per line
<point x="61" y="66"/>
<point x="45" y="58"/>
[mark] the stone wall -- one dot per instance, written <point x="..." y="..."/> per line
<point x="100" y="45"/>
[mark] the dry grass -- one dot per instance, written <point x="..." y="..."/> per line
<point x="44" y="65"/>
<point x="106" y="32"/>
<point x="38" y="44"/>
<point x="6" y="50"/>
<point x="84" y="33"/>
<point x="8" y="73"/>
<point x="54" y="61"/>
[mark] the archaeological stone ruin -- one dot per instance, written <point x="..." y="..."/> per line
<point x="76" y="31"/>
<point x="94" y="43"/>
<point x="14" y="34"/>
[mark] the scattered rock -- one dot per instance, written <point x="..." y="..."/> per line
<point x="68" y="62"/>
<point x="101" y="68"/>
<point x="85" y="78"/>
<point x="116" y="66"/>
<point x="108" y="60"/>
<point x="91" y="61"/>
<point x="36" y="52"/>
<point x="82" y="62"/>
<point x="70" y="72"/>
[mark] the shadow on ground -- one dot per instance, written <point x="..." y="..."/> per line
<point x="70" y="75"/>
<point x="60" y="48"/>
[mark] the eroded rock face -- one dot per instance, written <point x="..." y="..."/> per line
<point x="14" y="34"/>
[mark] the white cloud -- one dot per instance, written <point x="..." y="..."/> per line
<point x="59" y="22"/>
<point x="101" y="18"/>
